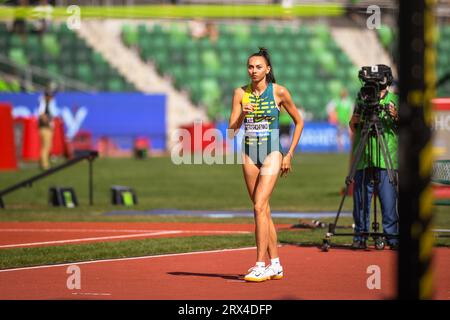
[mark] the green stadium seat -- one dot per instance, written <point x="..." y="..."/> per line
<point x="284" y="44"/>
<point x="444" y="45"/>
<point x="305" y="85"/>
<point x="269" y="43"/>
<point x="156" y="29"/>
<point x="210" y="91"/>
<point x="142" y="30"/>
<point x="334" y="87"/>
<point x="51" y="45"/>
<point x="4" y="39"/>
<point x="386" y="35"/>
<point x="322" y="32"/>
<point x="67" y="44"/>
<point x="194" y="74"/>
<point x="17" y="55"/>
<point x="317" y="45"/>
<point x="211" y="61"/>
<point x="328" y="62"/>
<point x="178" y="34"/>
<point x="3" y="28"/>
<point x="159" y="43"/>
<point x="300" y="43"/>
<point x="242" y="32"/>
<point x="204" y="44"/>
<point x="352" y="72"/>
<point x="3" y="86"/>
<point x="145" y="42"/>
<point x="195" y="91"/>
<point x="53" y="70"/>
<point x="84" y="73"/>
<point x="445" y="31"/>
<point x="33" y="43"/>
<point x="67" y="70"/>
<point x="64" y="32"/>
<point x="116" y="85"/>
<point x="177" y="73"/>
<point x="83" y="56"/>
<point x="14" y="86"/>
<point x="311" y="102"/>
<point x="291" y="73"/>
<point x="98" y="59"/>
<point x="305" y="31"/>
<point x="16" y="41"/>
<point x="35" y="57"/>
<point x="130" y="35"/>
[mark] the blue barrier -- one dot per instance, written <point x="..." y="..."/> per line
<point x="322" y="137"/>
<point x="120" y="116"/>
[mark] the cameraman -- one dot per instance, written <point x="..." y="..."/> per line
<point x="376" y="170"/>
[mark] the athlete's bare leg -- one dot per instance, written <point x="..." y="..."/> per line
<point x="260" y="184"/>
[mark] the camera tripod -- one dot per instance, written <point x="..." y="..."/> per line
<point x="372" y="128"/>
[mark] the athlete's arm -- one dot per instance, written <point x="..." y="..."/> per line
<point x="238" y="111"/>
<point x="285" y="100"/>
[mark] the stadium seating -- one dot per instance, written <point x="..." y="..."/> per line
<point x="443" y="59"/>
<point x="9" y="86"/>
<point x="62" y="53"/>
<point x="388" y="36"/>
<point x="210" y="71"/>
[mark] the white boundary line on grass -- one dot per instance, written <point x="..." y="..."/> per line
<point x="89" y="239"/>
<point x="136" y="235"/>
<point x="126" y="259"/>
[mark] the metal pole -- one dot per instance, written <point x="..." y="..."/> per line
<point x="417" y="72"/>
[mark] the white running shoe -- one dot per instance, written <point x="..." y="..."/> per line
<point x="256" y="274"/>
<point x="274" y="272"/>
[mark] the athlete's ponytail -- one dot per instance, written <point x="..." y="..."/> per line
<point x="263" y="52"/>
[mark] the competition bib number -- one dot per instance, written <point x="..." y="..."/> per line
<point x="257" y="129"/>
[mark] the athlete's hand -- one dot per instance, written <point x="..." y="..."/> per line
<point x="248" y="108"/>
<point x="286" y="165"/>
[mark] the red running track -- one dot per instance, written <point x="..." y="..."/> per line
<point x="309" y="274"/>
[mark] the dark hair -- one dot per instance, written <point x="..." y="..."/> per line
<point x="263" y="52"/>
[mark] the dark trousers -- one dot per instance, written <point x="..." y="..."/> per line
<point x="362" y="196"/>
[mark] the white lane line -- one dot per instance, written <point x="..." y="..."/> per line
<point x="91" y="294"/>
<point x="126" y="259"/>
<point x="117" y="230"/>
<point x="215" y="231"/>
<point x="89" y="239"/>
<point x="75" y="230"/>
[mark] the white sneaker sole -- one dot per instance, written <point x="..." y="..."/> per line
<point x="276" y="277"/>
<point x="251" y="279"/>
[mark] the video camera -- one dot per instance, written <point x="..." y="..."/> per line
<point x="375" y="78"/>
